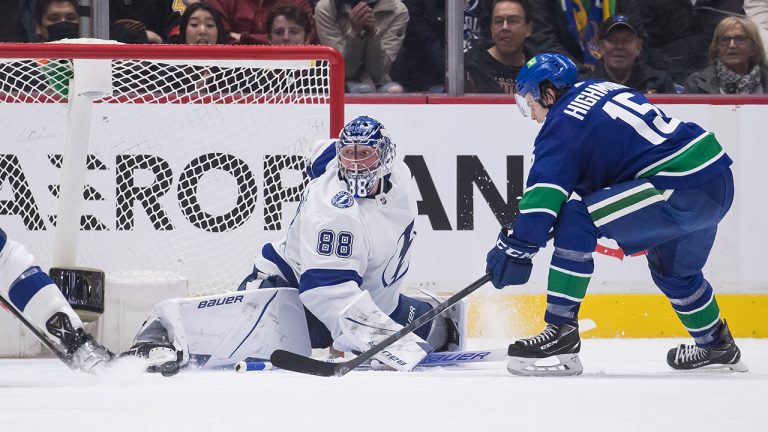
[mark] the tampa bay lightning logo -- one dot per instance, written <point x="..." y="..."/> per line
<point x="343" y="199"/>
<point x="399" y="263"/>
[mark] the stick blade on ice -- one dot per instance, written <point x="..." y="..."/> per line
<point x="298" y="363"/>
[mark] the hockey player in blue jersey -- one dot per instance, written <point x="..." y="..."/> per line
<point x="31" y="296"/>
<point x="646" y="180"/>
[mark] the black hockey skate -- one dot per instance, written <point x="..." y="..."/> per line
<point x="723" y="354"/>
<point x="161" y="356"/>
<point x="558" y="344"/>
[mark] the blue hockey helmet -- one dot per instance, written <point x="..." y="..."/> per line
<point x="365" y="154"/>
<point x="555" y="68"/>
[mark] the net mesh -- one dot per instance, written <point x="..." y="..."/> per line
<point x="192" y="163"/>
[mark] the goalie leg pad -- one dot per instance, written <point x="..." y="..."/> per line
<point x="448" y="332"/>
<point x="224" y="329"/>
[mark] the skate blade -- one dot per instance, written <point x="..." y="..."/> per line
<point x="738" y="367"/>
<point x="559" y="365"/>
<point x="718" y="367"/>
<point x="733" y="367"/>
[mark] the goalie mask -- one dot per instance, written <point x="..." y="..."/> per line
<point x="365" y="153"/>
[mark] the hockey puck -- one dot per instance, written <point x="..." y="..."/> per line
<point x="168" y="369"/>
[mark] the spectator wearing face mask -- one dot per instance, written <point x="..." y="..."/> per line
<point x="57" y="19"/>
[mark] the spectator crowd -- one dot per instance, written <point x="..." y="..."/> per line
<point x="397" y="46"/>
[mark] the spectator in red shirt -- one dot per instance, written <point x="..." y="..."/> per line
<point x="246" y="20"/>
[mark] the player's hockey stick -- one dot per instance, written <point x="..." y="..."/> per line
<point x="442" y="359"/>
<point x="299" y="363"/>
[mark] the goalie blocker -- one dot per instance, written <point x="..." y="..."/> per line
<point x="248" y="325"/>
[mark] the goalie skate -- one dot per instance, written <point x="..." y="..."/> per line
<point x="81" y="351"/>
<point x="553" y="352"/>
<point x="724" y="354"/>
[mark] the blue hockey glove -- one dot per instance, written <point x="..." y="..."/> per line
<point x="510" y="261"/>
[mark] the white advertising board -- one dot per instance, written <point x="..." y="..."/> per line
<point x="450" y="148"/>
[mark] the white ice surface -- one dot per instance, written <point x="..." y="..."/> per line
<point x="626" y="386"/>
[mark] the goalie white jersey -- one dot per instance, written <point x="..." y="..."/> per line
<point x="337" y="245"/>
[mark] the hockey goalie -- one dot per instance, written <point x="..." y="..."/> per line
<point x="334" y="280"/>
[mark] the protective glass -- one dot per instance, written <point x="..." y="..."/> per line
<point x="522" y="105"/>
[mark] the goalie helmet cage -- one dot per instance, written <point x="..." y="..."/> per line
<point x="174" y="159"/>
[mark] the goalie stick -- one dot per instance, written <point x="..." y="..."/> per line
<point x="307" y="365"/>
<point x="443" y="358"/>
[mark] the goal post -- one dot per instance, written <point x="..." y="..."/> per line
<point x="187" y="164"/>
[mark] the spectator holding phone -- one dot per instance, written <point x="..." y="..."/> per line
<point x="369" y="34"/>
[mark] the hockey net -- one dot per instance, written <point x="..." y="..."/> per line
<point x="188" y="158"/>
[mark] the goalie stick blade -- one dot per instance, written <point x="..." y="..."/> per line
<point x="306" y="365"/>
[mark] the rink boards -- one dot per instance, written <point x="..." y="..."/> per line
<point x="469" y="160"/>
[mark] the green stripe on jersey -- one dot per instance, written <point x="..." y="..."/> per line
<point x="540" y="197"/>
<point x="696" y="155"/>
<point x="568" y="284"/>
<point x="702" y="318"/>
<point x="621" y="206"/>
